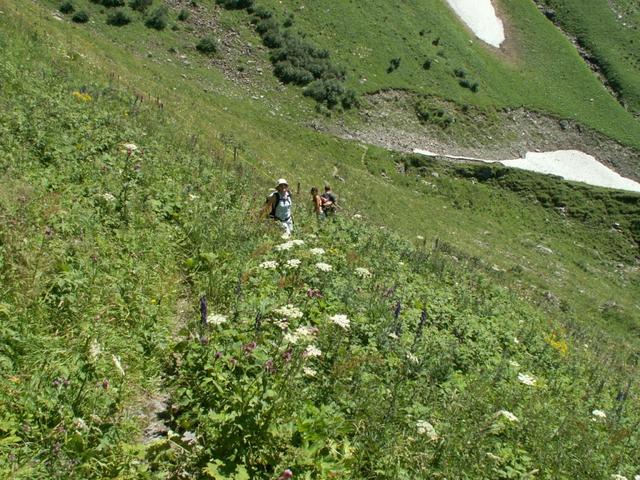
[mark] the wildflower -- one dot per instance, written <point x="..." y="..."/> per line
<point x="412" y="358"/>
<point x="116" y="362"/>
<point x="508" y="415"/>
<point x="419" y="237"/>
<point x="289" y="311"/>
<point x="269" y="366"/>
<point x="216" y="319"/>
<point x="526" y="379"/>
<point x="515" y="340"/>
<point x="314" y="293"/>
<point x="309" y="372"/>
<point x="80" y="425"/>
<point x="306" y="332"/>
<point x="357" y="216"/>
<point x="105" y="384"/>
<point x="298" y="242"/>
<point x="269" y="265"/>
<point x="617" y="476"/>
<point x="312" y="351"/>
<point x="249" y="347"/>
<point x="193" y="196"/>
<point x="218" y="354"/>
<point x="285" y="235"/>
<point x="204" y="340"/>
<point x="203" y="309"/>
<point x="293" y="263"/>
<point x="291" y="337"/>
<point x="363" y="272"/>
<point x="130" y="148"/>
<point x="317" y="251"/>
<point x="340" y="320"/>
<point x="284" y="246"/>
<point x="108" y="197"/>
<point x="82" y="97"/>
<point x="425" y="428"/>
<point x="286" y="355"/>
<point x="393" y="336"/>
<point x="281" y="323"/>
<point x="325" y="267"/>
<point x="599" y="414"/>
<point x="286" y="475"/>
<point x="94" y="350"/>
<point x="514" y="364"/>
<point x="189" y="438"/>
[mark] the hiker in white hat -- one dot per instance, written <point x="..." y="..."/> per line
<point x="278" y="206"/>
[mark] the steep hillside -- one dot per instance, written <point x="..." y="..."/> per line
<point x="454" y="322"/>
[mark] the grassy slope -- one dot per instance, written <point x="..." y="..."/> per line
<point x="612" y="41"/>
<point x="275" y="149"/>
<point x="366" y="37"/>
<point x="61" y="58"/>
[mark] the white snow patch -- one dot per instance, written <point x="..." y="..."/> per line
<point x="569" y="164"/>
<point x="481" y="18"/>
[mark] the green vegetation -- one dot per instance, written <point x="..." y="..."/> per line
<point x="207" y="45"/>
<point x="158" y="18"/>
<point x="118" y="18"/>
<point x="501" y="343"/>
<point x="609" y="31"/>
<point x="66" y="7"/>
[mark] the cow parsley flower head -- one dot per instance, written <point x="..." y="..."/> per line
<point x="297" y="242"/>
<point x="599" y="414"/>
<point x="362" y="272"/>
<point x="130" y="147"/>
<point x="526" y="379"/>
<point x="284" y="246"/>
<point x="311" y="351"/>
<point x="325" y="267"/>
<point x="289" y="311"/>
<point x="617" y="476"/>
<point x="108" y="197"/>
<point x="340" y="320"/>
<point x="309" y="372"/>
<point x="507" y="415"/>
<point x="357" y="216"/>
<point x="269" y="265"/>
<point x="425" y="428"/>
<point x="419" y="237"/>
<point x="293" y="263"/>
<point x="317" y="251"/>
<point x="216" y="319"/>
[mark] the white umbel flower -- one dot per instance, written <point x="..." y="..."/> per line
<point x="363" y="272"/>
<point x="312" y="351"/>
<point x="216" y="319"/>
<point x="317" y="251"/>
<point x="507" y="415"/>
<point x="340" y="320"/>
<point x="599" y="413"/>
<point x="289" y="311"/>
<point x="284" y="246"/>
<point x="325" y="267"/>
<point x="309" y="372"/>
<point x="293" y="263"/>
<point x="425" y="428"/>
<point x="617" y="476"/>
<point x="526" y="379"/>
<point x="269" y="265"/>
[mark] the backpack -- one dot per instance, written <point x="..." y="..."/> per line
<point x="272" y="213"/>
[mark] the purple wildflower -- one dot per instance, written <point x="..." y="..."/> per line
<point x="285" y="475"/>
<point x="249" y="347"/>
<point x="203" y="310"/>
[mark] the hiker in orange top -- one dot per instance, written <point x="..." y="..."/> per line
<point x="316" y="200"/>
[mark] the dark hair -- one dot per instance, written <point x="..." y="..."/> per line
<point x="314" y="190"/>
<point x="327" y="188"/>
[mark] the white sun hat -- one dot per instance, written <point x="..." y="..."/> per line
<point x="281" y="181"/>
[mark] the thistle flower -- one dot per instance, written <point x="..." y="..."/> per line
<point x="340" y="320"/>
<point x="286" y="355"/>
<point x="317" y="251"/>
<point x="425" y="428"/>
<point x="216" y="319"/>
<point x="362" y="272"/>
<point x="118" y="365"/>
<point x="526" y="379"/>
<point x="314" y="293"/>
<point x="249" y="347"/>
<point x="269" y="265"/>
<point x="286" y="475"/>
<point x="325" y="267"/>
<point x="269" y="367"/>
<point x="507" y="415"/>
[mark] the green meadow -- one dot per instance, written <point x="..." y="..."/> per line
<point x="453" y="321"/>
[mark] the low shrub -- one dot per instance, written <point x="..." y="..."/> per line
<point x="460" y="73"/>
<point x="112" y="3"/>
<point x="118" y="19"/>
<point x="289" y="73"/>
<point x="80" y="17"/>
<point x="326" y="91"/>
<point x="427" y="64"/>
<point x="183" y="15"/>
<point x="236" y="4"/>
<point x="66" y="7"/>
<point x="473" y="86"/>
<point x="158" y="19"/>
<point x="261" y="12"/>
<point x="207" y="45"/>
<point x="140" y="5"/>
<point x="394" y="63"/>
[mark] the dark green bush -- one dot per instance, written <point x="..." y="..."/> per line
<point x="394" y="63"/>
<point x="118" y="18"/>
<point x="289" y="73"/>
<point x="80" y="17"/>
<point x="140" y="5"/>
<point x="261" y="12"/>
<point x="473" y="86"/>
<point x="158" y="19"/>
<point x="460" y="73"/>
<point x="427" y="64"/>
<point x="112" y="3"/>
<point x="183" y="15"/>
<point x="325" y="91"/>
<point x="207" y="45"/>
<point x="266" y="25"/>
<point x="235" y="4"/>
<point x="66" y="7"/>
<point x="273" y="39"/>
<point x="288" y="22"/>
